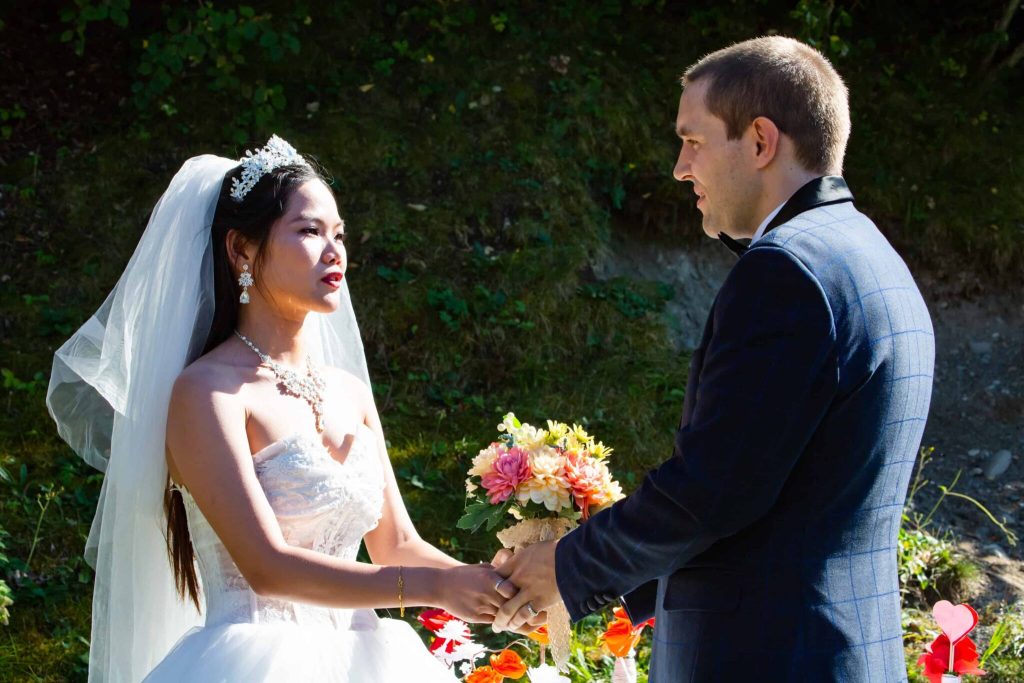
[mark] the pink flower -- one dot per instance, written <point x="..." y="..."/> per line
<point x="509" y="470"/>
<point x="590" y="482"/>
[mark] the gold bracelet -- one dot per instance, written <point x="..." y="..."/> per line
<point x="401" y="593"/>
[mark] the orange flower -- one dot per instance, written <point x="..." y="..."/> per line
<point x="509" y="664"/>
<point x="485" y="674"/>
<point x="621" y="636"/>
<point x="620" y="613"/>
<point x="540" y="635"/>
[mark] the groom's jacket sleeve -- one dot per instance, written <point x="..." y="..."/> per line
<point x="768" y="374"/>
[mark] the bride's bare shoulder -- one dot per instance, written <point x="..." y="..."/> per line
<point x="351" y="385"/>
<point x="211" y="374"/>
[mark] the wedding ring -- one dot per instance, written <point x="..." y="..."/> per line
<point x="498" y="585"/>
<point x="531" y="610"/>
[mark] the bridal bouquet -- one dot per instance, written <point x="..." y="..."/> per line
<point x="554" y="473"/>
<point x="547" y="480"/>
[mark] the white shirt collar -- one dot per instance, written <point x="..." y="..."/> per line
<point x="764" y="224"/>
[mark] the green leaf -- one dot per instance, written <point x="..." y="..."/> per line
<point x="998" y="635"/>
<point x="475" y="516"/>
<point x="268" y="39"/>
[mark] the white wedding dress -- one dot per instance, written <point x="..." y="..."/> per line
<point x="324" y="505"/>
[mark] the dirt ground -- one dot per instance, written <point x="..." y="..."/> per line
<point x="976" y="426"/>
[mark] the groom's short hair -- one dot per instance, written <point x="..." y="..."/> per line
<point x="786" y="81"/>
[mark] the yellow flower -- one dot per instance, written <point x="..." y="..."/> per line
<point x="581" y="435"/>
<point x="556" y="432"/>
<point x="600" y="451"/>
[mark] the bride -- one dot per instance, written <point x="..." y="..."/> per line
<point x="222" y="387"/>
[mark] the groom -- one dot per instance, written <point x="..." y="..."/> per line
<point x="766" y="545"/>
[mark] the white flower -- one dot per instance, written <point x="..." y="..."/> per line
<point x="455" y="630"/>
<point x="545" y="673"/>
<point x="525" y="435"/>
<point x="548" y="485"/>
<point x="485" y="459"/>
<point x="469" y="652"/>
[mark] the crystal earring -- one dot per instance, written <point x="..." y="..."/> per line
<point x="245" y="281"/>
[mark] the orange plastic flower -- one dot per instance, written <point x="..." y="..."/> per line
<point x="620" y="613"/>
<point x="485" y="674"/>
<point x="540" y="635"/>
<point x="621" y="636"/>
<point x="508" y="664"/>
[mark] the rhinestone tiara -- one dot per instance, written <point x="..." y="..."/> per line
<point x="257" y="164"/>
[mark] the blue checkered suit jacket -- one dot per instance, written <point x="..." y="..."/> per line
<point x="766" y="546"/>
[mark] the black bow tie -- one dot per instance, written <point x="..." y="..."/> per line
<point x="735" y="246"/>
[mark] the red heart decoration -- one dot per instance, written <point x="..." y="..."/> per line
<point x="956" y="621"/>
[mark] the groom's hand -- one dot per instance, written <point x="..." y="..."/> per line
<point x="532" y="570"/>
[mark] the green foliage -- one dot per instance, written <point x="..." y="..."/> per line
<point x="32" y="386"/>
<point x="8" y="117"/>
<point x="85" y="12"/>
<point x="820" y="24"/>
<point x="1004" y="655"/>
<point x="6" y="599"/>
<point x="205" y="43"/>
<point x="931" y="569"/>
<point x="626" y="297"/>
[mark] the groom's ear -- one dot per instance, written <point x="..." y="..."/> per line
<point x="766" y="140"/>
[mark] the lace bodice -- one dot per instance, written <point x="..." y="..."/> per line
<point x="320" y="503"/>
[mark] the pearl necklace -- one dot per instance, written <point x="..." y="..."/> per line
<point x="309" y="388"/>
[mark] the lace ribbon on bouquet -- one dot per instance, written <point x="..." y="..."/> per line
<point x="531" y="531"/>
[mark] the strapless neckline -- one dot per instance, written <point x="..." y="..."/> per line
<point x="275" y="448"/>
<point x="280" y="446"/>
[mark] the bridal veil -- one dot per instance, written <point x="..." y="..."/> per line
<point x="109" y="391"/>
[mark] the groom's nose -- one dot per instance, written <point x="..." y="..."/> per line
<point x="682" y="170"/>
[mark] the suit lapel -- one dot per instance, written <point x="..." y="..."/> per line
<point x="696" y="365"/>
<point x="830" y="189"/>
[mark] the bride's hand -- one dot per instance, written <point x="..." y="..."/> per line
<point x="474" y="592"/>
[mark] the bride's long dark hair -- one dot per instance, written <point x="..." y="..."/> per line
<point x="252" y="217"/>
